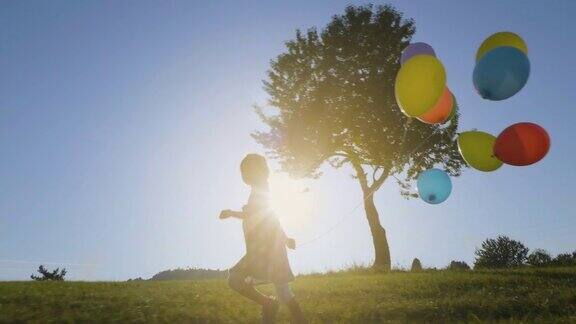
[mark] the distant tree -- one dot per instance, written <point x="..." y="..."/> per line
<point x="189" y="274"/>
<point x="416" y="265"/>
<point x="458" y="265"/>
<point x="564" y="259"/>
<point x="501" y="252"/>
<point x="54" y="275"/>
<point x="332" y="99"/>
<point x="539" y="258"/>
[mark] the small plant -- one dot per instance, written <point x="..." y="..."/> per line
<point x="54" y="275"/>
<point x="458" y="265"/>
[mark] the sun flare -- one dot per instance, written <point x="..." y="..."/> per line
<point x="292" y="200"/>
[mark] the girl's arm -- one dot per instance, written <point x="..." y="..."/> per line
<point x="246" y="210"/>
<point x="227" y="213"/>
<point x="290" y="242"/>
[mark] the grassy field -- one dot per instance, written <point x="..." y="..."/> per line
<point x="547" y="295"/>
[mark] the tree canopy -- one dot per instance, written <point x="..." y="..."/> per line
<point x="332" y="97"/>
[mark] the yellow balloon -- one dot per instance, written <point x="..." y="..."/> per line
<point x="501" y="39"/>
<point x="419" y="84"/>
<point x="477" y="149"/>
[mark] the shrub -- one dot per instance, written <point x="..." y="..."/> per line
<point x="501" y="252"/>
<point x="539" y="258"/>
<point x="564" y="259"/>
<point x="54" y="275"/>
<point x="458" y="265"/>
<point x="416" y="265"/>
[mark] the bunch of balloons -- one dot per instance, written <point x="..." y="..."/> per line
<point x="421" y="93"/>
<point x="502" y="70"/>
<point x="502" y="66"/>
<point x="420" y="87"/>
<point x="520" y="144"/>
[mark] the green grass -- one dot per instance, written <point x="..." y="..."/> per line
<point x="547" y="295"/>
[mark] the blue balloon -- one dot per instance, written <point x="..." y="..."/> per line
<point x="434" y="186"/>
<point x="501" y="73"/>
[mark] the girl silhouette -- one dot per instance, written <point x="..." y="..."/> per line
<point x="266" y="259"/>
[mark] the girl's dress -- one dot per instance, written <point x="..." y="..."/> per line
<point x="266" y="259"/>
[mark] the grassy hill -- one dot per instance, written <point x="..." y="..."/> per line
<point x="547" y="295"/>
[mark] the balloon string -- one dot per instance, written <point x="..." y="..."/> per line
<point x="371" y="193"/>
<point x="415" y="148"/>
<point x="344" y="217"/>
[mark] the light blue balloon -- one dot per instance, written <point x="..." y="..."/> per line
<point x="434" y="186"/>
<point x="501" y="73"/>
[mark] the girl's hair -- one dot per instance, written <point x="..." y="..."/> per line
<point x="254" y="169"/>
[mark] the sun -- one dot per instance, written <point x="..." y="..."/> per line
<point x="292" y="200"/>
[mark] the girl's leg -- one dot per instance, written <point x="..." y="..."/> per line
<point x="269" y="305"/>
<point x="236" y="282"/>
<point x="286" y="296"/>
<point x="296" y="312"/>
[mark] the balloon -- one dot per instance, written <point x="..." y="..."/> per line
<point x="441" y="112"/>
<point x="477" y="149"/>
<point x="434" y="186"/>
<point x="522" y="144"/>
<point x="419" y="84"/>
<point x="416" y="49"/>
<point x="501" y="39"/>
<point x="501" y="73"/>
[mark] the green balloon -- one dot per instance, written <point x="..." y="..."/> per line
<point x="477" y="149"/>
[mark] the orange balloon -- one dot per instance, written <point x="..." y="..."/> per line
<point x="441" y="111"/>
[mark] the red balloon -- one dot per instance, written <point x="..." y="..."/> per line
<point x="522" y="144"/>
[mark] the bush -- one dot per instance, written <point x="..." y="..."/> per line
<point x="416" y="265"/>
<point x="539" y="258"/>
<point x="564" y="259"/>
<point x="54" y="275"/>
<point x="458" y="265"/>
<point x="501" y="252"/>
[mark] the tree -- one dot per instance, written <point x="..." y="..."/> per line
<point x="539" y="258"/>
<point x="54" y="275"/>
<point x="331" y="97"/>
<point x="458" y="265"/>
<point x="501" y="252"/>
<point x="189" y="274"/>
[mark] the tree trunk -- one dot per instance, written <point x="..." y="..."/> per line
<point x="381" y="249"/>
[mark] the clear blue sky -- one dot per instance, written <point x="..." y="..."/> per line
<point x="122" y="125"/>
